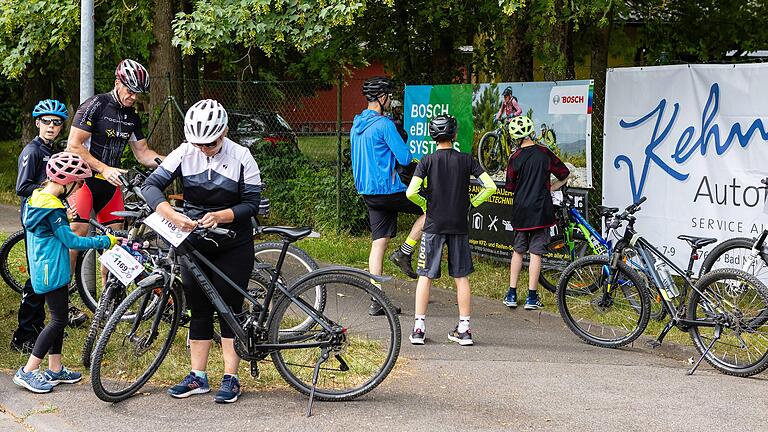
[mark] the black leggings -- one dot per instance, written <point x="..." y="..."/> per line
<point x="52" y="336"/>
<point x="235" y="262"/>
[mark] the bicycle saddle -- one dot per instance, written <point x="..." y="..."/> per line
<point x="697" y="242"/>
<point x="288" y="233"/>
<point x="605" y="211"/>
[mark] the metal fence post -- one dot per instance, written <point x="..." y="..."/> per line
<point x="339" y="83"/>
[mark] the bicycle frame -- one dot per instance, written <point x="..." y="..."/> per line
<point x="226" y="313"/>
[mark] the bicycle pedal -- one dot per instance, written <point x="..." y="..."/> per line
<point x="254" y="369"/>
<point x="653" y="344"/>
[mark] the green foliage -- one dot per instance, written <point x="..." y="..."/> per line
<point x="34" y="29"/>
<point x="484" y="109"/>
<point x="269" y="25"/>
<point x="303" y="191"/>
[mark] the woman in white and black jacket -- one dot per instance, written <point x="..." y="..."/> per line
<point x="222" y="187"/>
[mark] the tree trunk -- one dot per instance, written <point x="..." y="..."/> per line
<point x="165" y="73"/>
<point x="559" y="51"/>
<point x="191" y="65"/>
<point x="36" y="87"/>
<point x="517" y="60"/>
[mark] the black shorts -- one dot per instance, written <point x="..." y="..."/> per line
<point x="534" y="241"/>
<point x="100" y="196"/>
<point x="383" y="210"/>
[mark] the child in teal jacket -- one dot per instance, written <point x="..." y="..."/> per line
<point x="49" y="239"/>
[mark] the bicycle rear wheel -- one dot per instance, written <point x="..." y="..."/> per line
<point x="559" y="257"/>
<point x="599" y="316"/>
<point x="489" y="153"/>
<point x="13" y="261"/>
<point x="88" y="277"/>
<point x="128" y="352"/>
<point x="357" y="364"/>
<point x="739" y="301"/>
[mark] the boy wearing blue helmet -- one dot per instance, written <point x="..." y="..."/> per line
<point x="49" y="116"/>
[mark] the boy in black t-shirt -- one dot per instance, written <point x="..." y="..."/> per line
<point x="447" y="173"/>
<point x="532" y="211"/>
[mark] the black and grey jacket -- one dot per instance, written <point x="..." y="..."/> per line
<point x="32" y="162"/>
<point x="228" y="179"/>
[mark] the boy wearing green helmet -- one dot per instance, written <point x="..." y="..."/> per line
<point x="532" y="211"/>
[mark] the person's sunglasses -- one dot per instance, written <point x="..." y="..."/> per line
<point x="47" y="121"/>
<point x="213" y="144"/>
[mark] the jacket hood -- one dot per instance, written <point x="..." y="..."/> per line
<point x="364" y="120"/>
<point x="39" y="206"/>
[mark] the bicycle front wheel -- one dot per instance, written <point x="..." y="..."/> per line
<point x="734" y="253"/>
<point x="359" y="361"/>
<point x="13" y="261"/>
<point x="559" y="256"/>
<point x="738" y="302"/>
<point x="129" y="351"/>
<point x="489" y="153"/>
<point x="603" y="315"/>
<point x="88" y="277"/>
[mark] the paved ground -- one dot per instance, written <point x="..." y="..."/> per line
<point x="526" y="372"/>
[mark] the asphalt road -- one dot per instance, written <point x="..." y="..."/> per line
<point x="525" y="372"/>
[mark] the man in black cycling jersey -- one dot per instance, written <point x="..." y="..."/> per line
<point x="102" y="127"/>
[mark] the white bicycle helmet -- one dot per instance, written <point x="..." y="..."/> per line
<point x="205" y="122"/>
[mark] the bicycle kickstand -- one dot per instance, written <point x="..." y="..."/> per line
<point x="715" y="337"/>
<point x="315" y="375"/>
<point x="657" y="342"/>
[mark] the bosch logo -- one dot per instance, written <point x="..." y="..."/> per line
<point x="573" y="99"/>
<point x="556" y="99"/>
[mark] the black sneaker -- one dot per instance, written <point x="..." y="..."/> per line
<point x="462" y="339"/>
<point x="417" y="337"/>
<point x="404" y="262"/>
<point x="76" y="317"/>
<point x="377" y="310"/>
<point x="24" y="346"/>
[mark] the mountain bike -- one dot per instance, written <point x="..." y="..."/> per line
<point x="333" y="352"/>
<point x="605" y="302"/>
<point x="495" y="148"/>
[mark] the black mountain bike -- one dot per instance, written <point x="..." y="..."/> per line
<point x="605" y="302"/>
<point x="332" y="352"/>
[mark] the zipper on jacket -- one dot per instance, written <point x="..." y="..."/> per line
<point x="45" y="273"/>
<point x="209" y="167"/>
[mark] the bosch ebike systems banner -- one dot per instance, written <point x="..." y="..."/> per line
<point x="693" y="140"/>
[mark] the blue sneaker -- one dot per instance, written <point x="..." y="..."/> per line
<point x="32" y="381"/>
<point x="511" y="298"/>
<point x="229" y="390"/>
<point x="64" y="376"/>
<point x="190" y="385"/>
<point x="533" y="303"/>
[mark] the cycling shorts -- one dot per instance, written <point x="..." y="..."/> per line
<point x="101" y="197"/>
<point x="383" y="210"/>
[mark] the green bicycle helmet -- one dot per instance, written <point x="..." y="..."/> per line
<point x="520" y="127"/>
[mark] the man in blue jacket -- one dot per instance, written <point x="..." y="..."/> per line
<point x="376" y="149"/>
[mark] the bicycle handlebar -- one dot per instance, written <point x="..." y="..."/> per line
<point x="106" y="230"/>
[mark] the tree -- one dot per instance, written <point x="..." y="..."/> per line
<point x="165" y="68"/>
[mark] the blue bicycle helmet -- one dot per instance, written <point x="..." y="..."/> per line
<point x="50" y="106"/>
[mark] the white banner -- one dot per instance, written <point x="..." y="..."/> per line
<point x="691" y="138"/>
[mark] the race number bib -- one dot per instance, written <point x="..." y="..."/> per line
<point x="166" y="229"/>
<point x="121" y="264"/>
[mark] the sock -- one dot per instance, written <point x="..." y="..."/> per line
<point x="376" y="284"/>
<point x="407" y="247"/>
<point x="513" y="289"/>
<point x="232" y="375"/>
<point x="532" y="294"/>
<point x="200" y="374"/>
<point x="463" y="324"/>
<point x="418" y="323"/>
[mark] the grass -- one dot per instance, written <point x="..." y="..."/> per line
<point x="9" y="155"/>
<point x="322" y="147"/>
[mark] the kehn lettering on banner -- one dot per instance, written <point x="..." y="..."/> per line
<point x="695" y="146"/>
